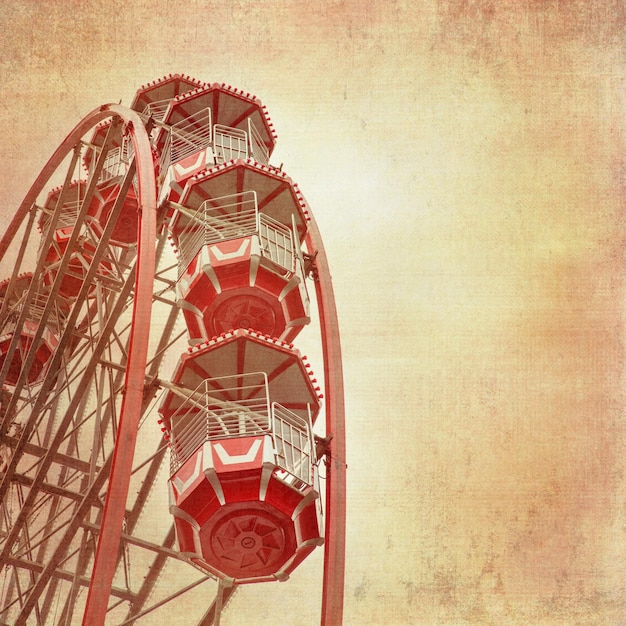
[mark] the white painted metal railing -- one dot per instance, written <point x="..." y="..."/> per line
<point x="227" y="217"/>
<point x="190" y="135"/>
<point x="224" y="407"/>
<point x="258" y="150"/>
<point x="239" y="406"/>
<point x="114" y="165"/>
<point x="293" y="446"/>
<point x="35" y="314"/>
<point x="229" y="143"/>
<point x="196" y="132"/>
<point x="232" y="217"/>
<point x="67" y="217"/>
<point x="156" y="110"/>
<point x="276" y="242"/>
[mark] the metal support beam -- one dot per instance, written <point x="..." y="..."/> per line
<point x="169" y="598"/>
<point x="209" y="618"/>
<point x="154" y="572"/>
<point x="58" y="555"/>
<point x="59" y="458"/>
<point x="54" y="490"/>
<point x="67" y="575"/>
<point x="335" y="525"/>
<point x="163" y="550"/>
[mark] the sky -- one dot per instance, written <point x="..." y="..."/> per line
<point x="464" y="161"/>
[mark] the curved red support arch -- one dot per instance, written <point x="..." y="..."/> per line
<point x="335" y="530"/>
<point x="130" y="412"/>
<point x="106" y="553"/>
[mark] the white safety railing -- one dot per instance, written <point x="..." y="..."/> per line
<point x="117" y="160"/>
<point x="67" y="217"/>
<point x="35" y="314"/>
<point x="196" y="132"/>
<point x="156" y="110"/>
<point x="276" y="242"/>
<point x="128" y="150"/>
<point x="114" y="165"/>
<point x="258" y="149"/>
<point x="190" y="135"/>
<point x="292" y="445"/>
<point x="239" y="406"/>
<point x="36" y="310"/>
<point x="227" y="217"/>
<point x="218" y="408"/>
<point x="165" y="159"/>
<point x="229" y="143"/>
<point x="232" y="217"/>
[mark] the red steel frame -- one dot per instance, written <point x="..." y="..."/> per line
<point x="335" y="531"/>
<point x="111" y="527"/>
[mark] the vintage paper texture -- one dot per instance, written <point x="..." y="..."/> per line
<point x="464" y="160"/>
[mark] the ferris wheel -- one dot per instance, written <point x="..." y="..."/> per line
<point x="156" y="282"/>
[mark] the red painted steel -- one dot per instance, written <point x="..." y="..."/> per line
<point x="113" y="515"/>
<point x="335" y="545"/>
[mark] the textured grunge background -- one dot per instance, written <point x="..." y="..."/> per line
<point x="465" y="163"/>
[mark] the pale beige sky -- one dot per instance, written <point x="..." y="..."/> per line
<point x="464" y="161"/>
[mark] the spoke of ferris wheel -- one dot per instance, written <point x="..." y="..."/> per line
<point x="86" y="551"/>
<point x="28" y="551"/>
<point x="71" y="320"/>
<point x="18" y="261"/>
<point x="91" y="186"/>
<point x="28" y="299"/>
<point x="60" y="575"/>
<point x="153" y="573"/>
<point x="165" y="342"/>
<point x="171" y="597"/>
<point x="148" y="481"/>
<point x="67" y="332"/>
<point x="146" y="485"/>
<point x="54" y="512"/>
<point x="209" y="618"/>
<point x="87" y="417"/>
<point x="38" y="270"/>
<point x="153" y="368"/>
<point x="71" y="373"/>
<point x="89" y="370"/>
<point x="46" y="443"/>
<point x="50" y="530"/>
<point x="160" y="559"/>
<point x="54" y="494"/>
<point x="59" y="553"/>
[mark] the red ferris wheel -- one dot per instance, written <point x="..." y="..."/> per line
<point x="156" y="287"/>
